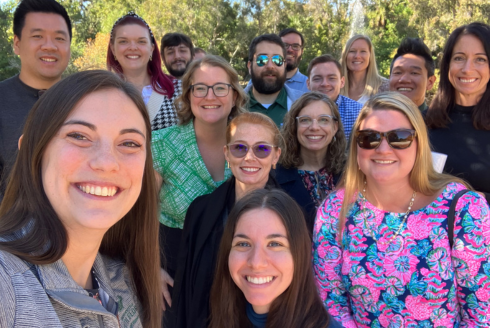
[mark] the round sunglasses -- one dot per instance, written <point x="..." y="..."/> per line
<point x="240" y="150"/>
<point x="397" y="139"/>
<point x="262" y="60"/>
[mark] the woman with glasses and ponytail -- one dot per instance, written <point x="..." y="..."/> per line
<point x="397" y="242"/>
<point x="133" y="55"/>
<point x="313" y="152"/>
<point x="188" y="158"/>
<point x="252" y="150"/>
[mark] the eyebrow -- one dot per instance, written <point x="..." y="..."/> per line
<point x="258" y="142"/>
<point x="34" y="30"/>
<point x="94" y="128"/>
<point x="478" y="54"/>
<point x="271" y="236"/>
<point x="414" y="67"/>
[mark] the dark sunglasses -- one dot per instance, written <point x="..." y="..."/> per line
<point x="262" y="60"/>
<point x="240" y="150"/>
<point x="397" y="139"/>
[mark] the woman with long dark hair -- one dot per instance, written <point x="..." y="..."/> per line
<point x="133" y="54"/>
<point x="78" y="224"/>
<point x="459" y="116"/>
<point x="264" y="276"/>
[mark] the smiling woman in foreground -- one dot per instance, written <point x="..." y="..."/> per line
<point x="382" y="247"/>
<point x="78" y="224"/>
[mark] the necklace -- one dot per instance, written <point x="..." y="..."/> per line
<point x="401" y="224"/>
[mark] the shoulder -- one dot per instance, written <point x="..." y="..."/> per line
<point x="8" y="83"/>
<point x="292" y="93"/>
<point x="330" y="208"/>
<point x="470" y="202"/>
<point x="11" y="264"/>
<point x="348" y="103"/>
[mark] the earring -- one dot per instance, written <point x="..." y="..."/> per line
<point x="115" y="58"/>
<point x="334" y="139"/>
<point x="228" y="164"/>
<point x="273" y="166"/>
<point x="151" y="56"/>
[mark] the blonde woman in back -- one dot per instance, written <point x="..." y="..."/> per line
<point x="362" y="79"/>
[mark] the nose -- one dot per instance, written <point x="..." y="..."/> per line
<point x="49" y="44"/>
<point x="104" y="158"/>
<point x="132" y="45"/>
<point x="314" y="125"/>
<point x="324" y="82"/>
<point x="468" y="66"/>
<point x="404" y="77"/>
<point x="257" y="258"/>
<point x="383" y="147"/>
<point x="210" y="94"/>
<point x="249" y="156"/>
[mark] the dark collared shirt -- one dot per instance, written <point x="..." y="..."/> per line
<point x="423" y="107"/>
<point x="276" y="110"/>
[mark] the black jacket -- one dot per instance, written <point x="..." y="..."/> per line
<point x="290" y="181"/>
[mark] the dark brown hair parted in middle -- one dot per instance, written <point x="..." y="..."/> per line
<point x="25" y="207"/>
<point x="299" y="305"/>
<point x="290" y="156"/>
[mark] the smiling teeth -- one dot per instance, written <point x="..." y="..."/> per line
<point x="98" y="190"/>
<point x="314" y="137"/>
<point x="260" y="280"/>
<point x="48" y="59"/>
<point x="250" y="169"/>
<point x="210" y="107"/>
<point x="404" y="89"/>
<point x="133" y="57"/>
<point x="467" y="80"/>
<point x="384" y="162"/>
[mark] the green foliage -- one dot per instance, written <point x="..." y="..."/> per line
<point x="226" y="27"/>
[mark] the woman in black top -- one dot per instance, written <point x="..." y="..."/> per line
<point x="264" y="276"/>
<point x="251" y="151"/>
<point x="459" y="116"/>
<point x="313" y="152"/>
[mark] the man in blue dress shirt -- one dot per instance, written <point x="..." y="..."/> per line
<point x="324" y="75"/>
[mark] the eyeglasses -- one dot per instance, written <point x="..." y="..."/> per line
<point x="262" y="60"/>
<point x="239" y="150"/>
<point x="295" y="46"/>
<point x="397" y="139"/>
<point x="200" y="90"/>
<point x="322" y="120"/>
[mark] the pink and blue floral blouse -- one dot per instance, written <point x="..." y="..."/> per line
<point x="416" y="280"/>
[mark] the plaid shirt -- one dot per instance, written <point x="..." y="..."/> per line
<point x="178" y="160"/>
<point x="349" y="110"/>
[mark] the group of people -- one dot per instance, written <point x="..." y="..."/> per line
<point x="134" y="198"/>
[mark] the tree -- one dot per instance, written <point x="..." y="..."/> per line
<point x="9" y="62"/>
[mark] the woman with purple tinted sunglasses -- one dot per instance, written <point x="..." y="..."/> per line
<point x="251" y="151"/>
<point x="386" y="250"/>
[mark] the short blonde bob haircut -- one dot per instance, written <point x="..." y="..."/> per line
<point x="423" y="178"/>
<point x="291" y="156"/>
<point x="183" y="103"/>
<point x="373" y="79"/>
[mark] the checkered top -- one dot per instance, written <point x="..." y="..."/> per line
<point x="167" y="115"/>
<point x="349" y="110"/>
<point x="178" y="160"/>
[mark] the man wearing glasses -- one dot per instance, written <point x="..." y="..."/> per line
<point x="268" y="93"/>
<point x="294" y="42"/>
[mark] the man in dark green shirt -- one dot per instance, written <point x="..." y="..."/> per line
<point x="268" y="93"/>
<point x="412" y="71"/>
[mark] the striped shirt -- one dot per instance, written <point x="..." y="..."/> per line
<point x="177" y="159"/>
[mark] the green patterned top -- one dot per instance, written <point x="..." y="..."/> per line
<point x="178" y="160"/>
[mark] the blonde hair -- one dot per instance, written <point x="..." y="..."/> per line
<point x="335" y="156"/>
<point x="183" y="103"/>
<point x="423" y="178"/>
<point x="373" y="79"/>
<point x="254" y="118"/>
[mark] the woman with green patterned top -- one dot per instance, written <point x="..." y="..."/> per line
<point x="189" y="156"/>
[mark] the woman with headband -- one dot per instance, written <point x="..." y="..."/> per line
<point x="133" y="54"/>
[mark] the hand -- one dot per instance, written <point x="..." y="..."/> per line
<point x="166" y="280"/>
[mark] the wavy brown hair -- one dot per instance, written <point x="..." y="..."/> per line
<point x="291" y="156"/>
<point x="437" y="115"/>
<point x="299" y="305"/>
<point x="26" y="208"/>
<point x="183" y="103"/>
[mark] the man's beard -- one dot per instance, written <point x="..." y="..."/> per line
<point x="293" y="66"/>
<point x="268" y="88"/>
<point x="178" y="73"/>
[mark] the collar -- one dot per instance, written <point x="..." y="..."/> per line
<point x="423" y="107"/>
<point x="298" y="77"/>
<point x="281" y="100"/>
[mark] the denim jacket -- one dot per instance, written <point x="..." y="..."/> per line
<point x="47" y="296"/>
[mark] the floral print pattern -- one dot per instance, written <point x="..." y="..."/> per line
<point x="317" y="183"/>
<point x="414" y="281"/>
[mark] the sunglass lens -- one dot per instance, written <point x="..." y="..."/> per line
<point x="238" y="150"/>
<point x="278" y="60"/>
<point x="368" y="139"/>
<point x="262" y="60"/>
<point x="262" y="151"/>
<point x="400" y="139"/>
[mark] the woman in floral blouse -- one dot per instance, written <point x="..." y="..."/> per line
<point x="314" y="152"/>
<point x="392" y="265"/>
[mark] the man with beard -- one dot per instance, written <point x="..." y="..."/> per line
<point x="268" y="93"/>
<point x="177" y="53"/>
<point x="294" y="42"/>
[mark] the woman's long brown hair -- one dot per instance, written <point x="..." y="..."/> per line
<point x="36" y="232"/>
<point x="300" y="304"/>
